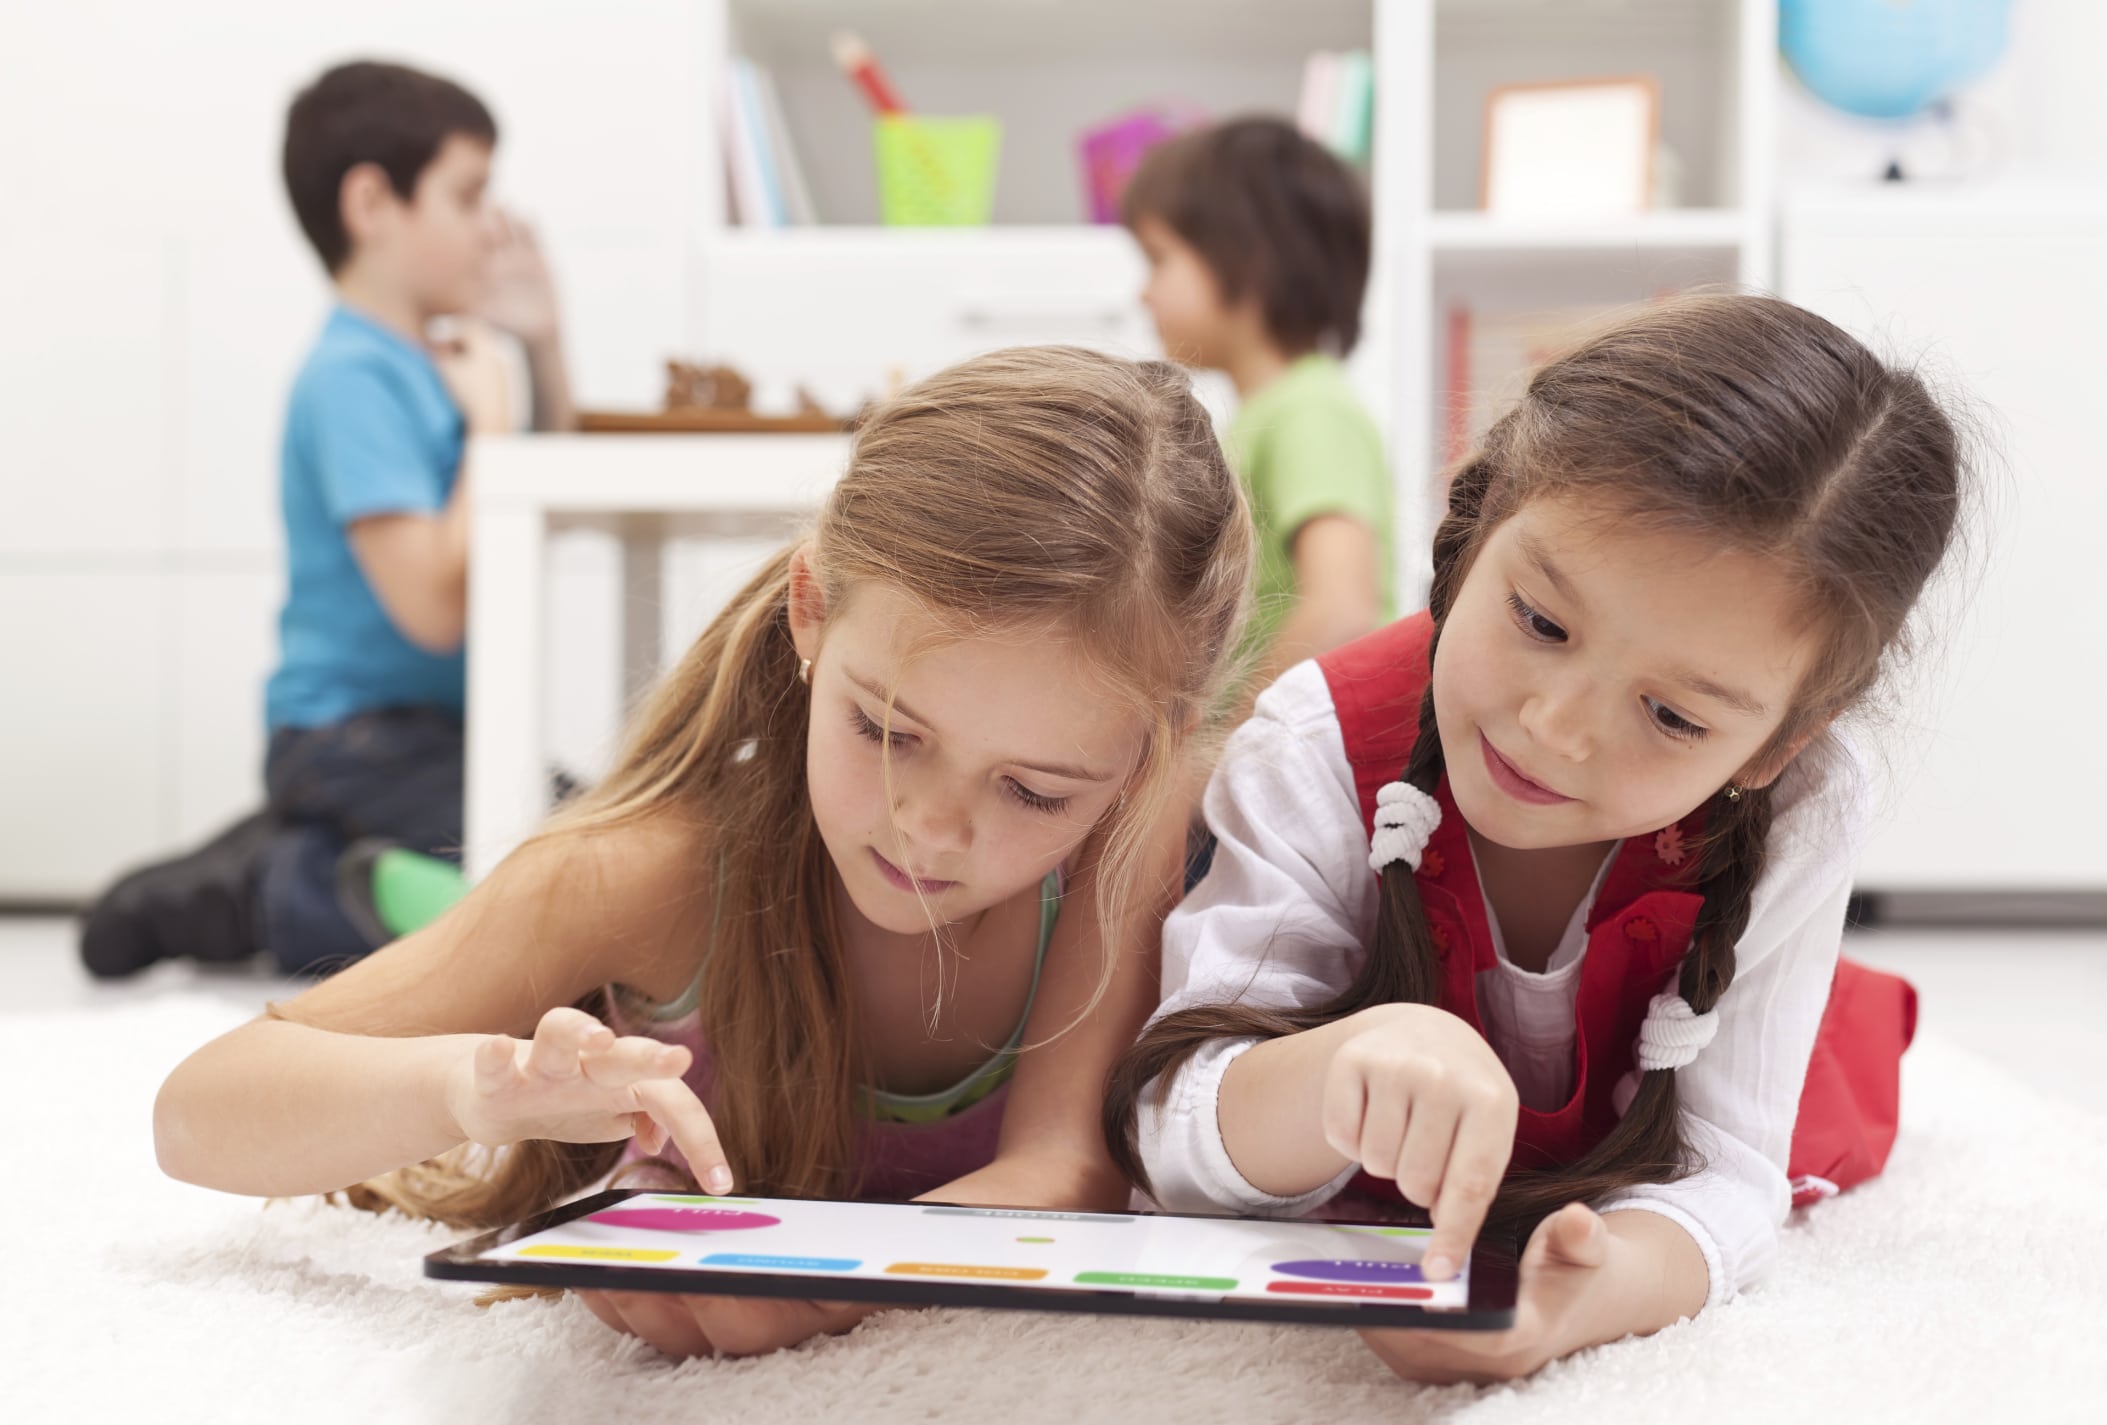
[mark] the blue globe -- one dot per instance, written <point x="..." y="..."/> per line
<point x="1888" y="59"/>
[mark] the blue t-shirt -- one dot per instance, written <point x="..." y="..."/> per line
<point x="371" y="430"/>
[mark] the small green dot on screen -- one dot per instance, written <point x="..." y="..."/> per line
<point x="1035" y="1239"/>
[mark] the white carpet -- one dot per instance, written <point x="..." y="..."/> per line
<point x="1970" y="1283"/>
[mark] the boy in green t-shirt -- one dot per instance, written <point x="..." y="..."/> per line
<point x="1258" y="244"/>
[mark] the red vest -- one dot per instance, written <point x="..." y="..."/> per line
<point x="1637" y="929"/>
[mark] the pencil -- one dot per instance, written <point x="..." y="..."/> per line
<point x="861" y="66"/>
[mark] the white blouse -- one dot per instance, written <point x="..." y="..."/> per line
<point x="1288" y="908"/>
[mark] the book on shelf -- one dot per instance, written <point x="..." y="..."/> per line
<point x="1491" y="356"/>
<point x="1320" y="94"/>
<point x="790" y="174"/>
<point x="768" y="187"/>
<point x="1337" y="104"/>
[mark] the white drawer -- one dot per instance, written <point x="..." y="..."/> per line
<point x="841" y="309"/>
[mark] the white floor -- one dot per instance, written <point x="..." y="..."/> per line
<point x="226" y="1309"/>
<point x="2033" y="1001"/>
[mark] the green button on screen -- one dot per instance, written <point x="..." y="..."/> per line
<point x="1143" y="1279"/>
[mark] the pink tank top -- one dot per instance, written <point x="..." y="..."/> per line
<point x="897" y="1159"/>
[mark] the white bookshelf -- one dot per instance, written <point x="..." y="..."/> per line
<point x="1689" y="229"/>
<point x="842" y="305"/>
<point x="1436" y="60"/>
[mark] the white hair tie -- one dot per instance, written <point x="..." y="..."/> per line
<point x="1673" y="1033"/>
<point x="1405" y="818"/>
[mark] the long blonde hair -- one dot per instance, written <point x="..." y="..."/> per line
<point x="1030" y="491"/>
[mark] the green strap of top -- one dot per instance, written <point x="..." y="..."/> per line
<point x="990" y="1076"/>
<point x="930" y="1107"/>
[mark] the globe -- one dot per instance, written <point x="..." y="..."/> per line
<point x="1889" y="59"/>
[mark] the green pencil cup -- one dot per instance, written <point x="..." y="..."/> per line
<point x="936" y="173"/>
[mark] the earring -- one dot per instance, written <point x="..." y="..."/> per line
<point x="1733" y="792"/>
<point x="804" y="671"/>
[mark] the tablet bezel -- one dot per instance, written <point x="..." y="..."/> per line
<point x="1494" y="1274"/>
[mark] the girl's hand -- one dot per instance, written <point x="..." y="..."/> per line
<point x="1566" y="1298"/>
<point x="735" y="1326"/>
<point x="1419" y="1097"/>
<point x="575" y="1082"/>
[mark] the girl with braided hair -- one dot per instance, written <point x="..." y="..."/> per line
<point x="1592" y="991"/>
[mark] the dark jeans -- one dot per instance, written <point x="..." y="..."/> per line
<point x="395" y="774"/>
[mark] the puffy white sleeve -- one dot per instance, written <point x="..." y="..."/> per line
<point x="1741" y="1096"/>
<point x="1282" y="921"/>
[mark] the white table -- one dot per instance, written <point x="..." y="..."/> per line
<point x="643" y="488"/>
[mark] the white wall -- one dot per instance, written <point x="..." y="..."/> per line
<point x="1993" y="285"/>
<point x="157" y="297"/>
<point x="1993" y="774"/>
<point x="2039" y="114"/>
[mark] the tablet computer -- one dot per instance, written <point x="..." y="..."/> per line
<point x="932" y="1254"/>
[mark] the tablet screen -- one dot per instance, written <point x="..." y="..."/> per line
<point x="1280" y="1262"/>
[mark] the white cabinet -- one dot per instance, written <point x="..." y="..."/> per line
<point x="1998" y="767"/>
<point x="225" y="646"/>
<point x="85" y="755"/>
<point x="247" y="305"/>
<point x="91" y="390"/>
<point x="840" y="310"/>
<point x="157" y="300"/>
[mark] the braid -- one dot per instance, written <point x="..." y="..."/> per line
<point x="1401" y="965"/>
<point x="1733" y="856"/>
<point x="1647" y="1144"/>
<point x="1751" y="425"/>
<point x="1459" y="527"/>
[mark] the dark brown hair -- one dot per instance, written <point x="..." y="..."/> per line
<point x="1747" y="423"/>
<point x="1274" y="215"/>
<point x="389" y="115"/>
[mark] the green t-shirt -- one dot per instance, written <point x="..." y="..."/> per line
<point x="1304" y="447"/>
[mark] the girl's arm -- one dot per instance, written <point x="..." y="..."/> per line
<point x="1660" y="1252"/>
<point x="1051" y="1153"/>
<point x="351" y="1079"/>
<point x="1279" y="923"/>
<point x="1052" y="1150"/>
<point x="1739" y="1099"/>
<point x="1585" y="1280"/>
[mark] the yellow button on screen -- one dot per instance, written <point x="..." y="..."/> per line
<point x="601" y="1254"/>
<point x="943" y="1269"/>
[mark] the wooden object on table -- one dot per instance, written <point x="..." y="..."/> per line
<point x="706" y="399"/>
<point x="703" y="420"/>
<point x="709" y="387"/>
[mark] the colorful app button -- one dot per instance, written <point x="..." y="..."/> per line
<point x="683" y="1219"/>
<point x="948" y="1269"/>
<point x="1391" y="1231"/>
<point x="1351" y="1271"/>
<point x="1354" y="1289"/>
<point x="1026" y="1213"/>
<point x="598" y="1254"/>
<point x="1146" y="1279"/>
<point x="782" y="1264"/>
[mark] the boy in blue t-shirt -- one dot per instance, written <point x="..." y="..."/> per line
<point x="387" y="169"/>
